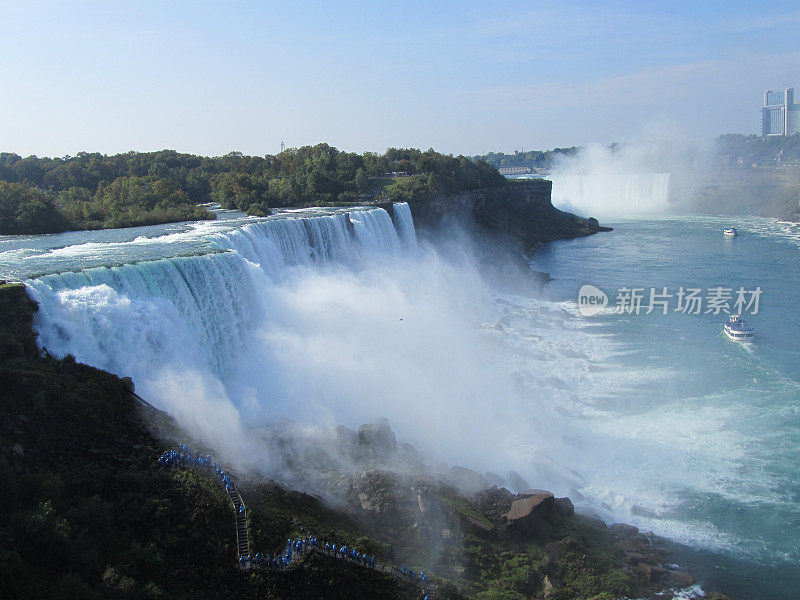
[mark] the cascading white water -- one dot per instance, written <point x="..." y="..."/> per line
<point x="278" y="244"/>
<point x="374" y="229"/>
<point x="335" y="318"/>
<point x="602" y="193"/>
<point x="197" y="310"/>
<point x="404" y="223"/>
<point x="127" y="319"/>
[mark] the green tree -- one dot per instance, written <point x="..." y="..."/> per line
<point x="361" y="181"/>
<point x="25" y="210"/>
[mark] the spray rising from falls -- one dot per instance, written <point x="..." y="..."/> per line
<point x="611" y="194"/>
<point x="631" y="179"/>
<point x="186" y="328"/>
<point x="339" y="319"/>
<point x="329" y="319"/>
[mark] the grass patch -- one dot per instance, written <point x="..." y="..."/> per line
<point x="464" y="507"/>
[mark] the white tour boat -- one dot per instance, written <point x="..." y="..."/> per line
<point x="738" y="330"/>
<point x="730" y="232"/>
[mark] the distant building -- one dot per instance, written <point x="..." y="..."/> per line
<point x="514" y="170"/>
<point x="780" y="115"/>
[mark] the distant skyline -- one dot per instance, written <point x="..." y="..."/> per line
<point x="461" y="77"/>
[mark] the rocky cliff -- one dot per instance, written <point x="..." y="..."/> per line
<point x="521" y="208"/>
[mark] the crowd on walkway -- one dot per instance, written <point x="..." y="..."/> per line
<point x="184" y="456"/>
<point x="295" y="548"/>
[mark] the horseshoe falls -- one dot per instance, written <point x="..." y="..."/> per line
<point x="611" y="193"/>
<point x="327" y="317"/>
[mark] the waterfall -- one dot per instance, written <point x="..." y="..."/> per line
<point x="374" y="230"/>
<point x="280" y="243"/>
<point x="404" y="224"/>
<point x="197" y="311"/>
<point x="611" y="193"/>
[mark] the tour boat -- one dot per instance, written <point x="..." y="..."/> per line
<point x="730" y="232"/>
<point x="738" y="330"/>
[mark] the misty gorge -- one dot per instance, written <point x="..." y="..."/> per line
<point x="417" y="378"/>
<point x="399" y="301"/>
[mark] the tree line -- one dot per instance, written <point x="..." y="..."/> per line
<point x="534" y="159"/>
<point x="730" y="148"/>
<point x="95" y="191"/>
<point x="759" y="150"/>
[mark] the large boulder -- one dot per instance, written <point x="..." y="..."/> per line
<point x="529" y="508"/>
<point x="494" y="503"/>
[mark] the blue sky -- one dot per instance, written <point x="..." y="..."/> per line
<point x="461" y="77"/>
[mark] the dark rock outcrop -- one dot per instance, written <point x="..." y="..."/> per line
<point x="522" y="209"/>
<point x="564" y="507"/>
<point x="494" y="503"/>
<point x="16" y="337"/>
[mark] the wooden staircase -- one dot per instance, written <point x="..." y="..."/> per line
<point x="242" y="534"/>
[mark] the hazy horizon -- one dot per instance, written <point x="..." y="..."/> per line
<point x="458" y="77"/>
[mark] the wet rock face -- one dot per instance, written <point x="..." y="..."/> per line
<point x="645" y="554"/>
<point x="466" y="481"/>
<point x="377" y="441"/>
<point x="347" y="440"/>
<point x="407" y="511"/>
<point x="375" y="491"/>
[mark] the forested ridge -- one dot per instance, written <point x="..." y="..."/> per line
<point x="751" y="150"/>
<point x="96" y="191"/>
